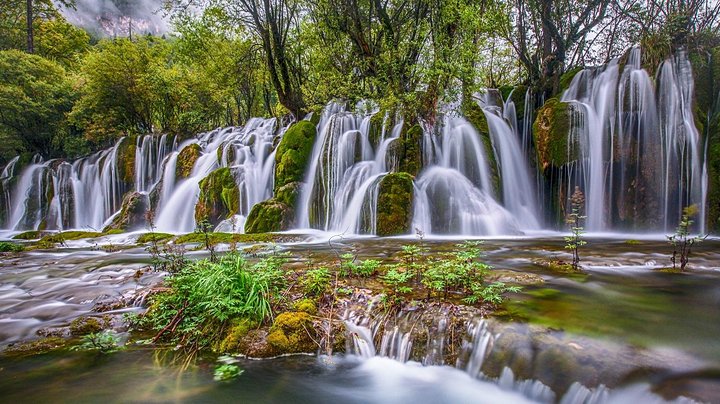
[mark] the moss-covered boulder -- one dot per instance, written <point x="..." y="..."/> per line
<point x="126" y="150"/>
<point x="219" y="197"/>
<point x="293" y="153"/>
<point x="292" y="332"/>
<point x="550" y="132"/>
<point x="269" y="216"/>
<point x="186" y="160"/>
<point x="395" y="204"/>
<point x="132" y="213"/>
<point x="410" y="160"/>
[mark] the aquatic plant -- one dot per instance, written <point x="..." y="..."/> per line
<point x="492" y="293"/>
<point x="105" y="342"/>
<point x="227" y="372"/>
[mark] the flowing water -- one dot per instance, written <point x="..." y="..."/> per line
<point x="622" y="331"/>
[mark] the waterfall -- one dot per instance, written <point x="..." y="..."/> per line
<point x="342" y="180"/>
<point x="454" y="193"/>
<point x="639" y="155"/>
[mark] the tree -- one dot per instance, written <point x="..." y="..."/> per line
<point x="545" y="32"/>
<point x="35" y="97"/>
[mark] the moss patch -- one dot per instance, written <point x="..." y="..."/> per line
<point x="269" y="216"/>
<point x="234" y="340"/>
<point x="292" y="332"/>
<point x="395" y="204"/>
<point x="233" y="237"/>
<point x="126" y="151"/>
<point x="411" y="150"/>
<point x="39" y="346"/>
<point x="86" y="325"/>
<point x="69" y="235"/>
<point x="567" y="78"/>
<point x="156" y="237"/>
<point x="186" y="160"/>
<point x="30" y="235"/>
<point x="293" y="153"/>
<point x="219" y="197"/>
<point x="550" y="131"/>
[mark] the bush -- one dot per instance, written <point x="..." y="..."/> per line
<point x="10" y="247"/>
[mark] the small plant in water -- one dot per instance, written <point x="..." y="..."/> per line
<point x="574" y="220"/>
<point x="227" y="372"/>
<point x="682" y="242"/>
<point x="492" y="293"/>
<point x="106" y="341"/>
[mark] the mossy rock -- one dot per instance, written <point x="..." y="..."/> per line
<point x="395" y="204"/>
<point x="234" y="340"/>
<point x="30" y="235"/>
<point x="68" y="236"/>
<point x="288" y="193"/>
<point x="39" y="346"/>
<point x="186" y="160"/>
<point x="198" y="237"/>
<point x="411" y="150"/>
<point x="550" y="131"/>
<point x="292" y="332"/>
<point x="7" y="247"/>
<point x="268" y="216"/>
<point x="154" y="237"/>
<point x="219" y="197"/>
<point x="126" y="150"/>
<point x="87" y="325"/>
<point x="293" y="153"/>
<point x="132" y="213"/>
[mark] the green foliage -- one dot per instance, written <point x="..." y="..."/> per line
<point x="316" y="281"/>
<point x="204" y="296"/>
<point x="6" y="246"/>
<point x="105" y="342"/>
<point x="492" y="293"/>
<point x="682" y="241"/>
<point x="35" y="96"/>
<point x="398" y="279"/>
<point x="227" y="372"/>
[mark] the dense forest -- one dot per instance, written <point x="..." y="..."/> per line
<point x="66" y="91"/>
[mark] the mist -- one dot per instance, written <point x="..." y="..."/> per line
<point x="119" y="17"/>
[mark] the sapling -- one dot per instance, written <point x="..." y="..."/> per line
<point x="574" y="220"/>
<point x="682" y="241"/>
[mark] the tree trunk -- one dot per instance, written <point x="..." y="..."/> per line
<point x="30" y="42"/>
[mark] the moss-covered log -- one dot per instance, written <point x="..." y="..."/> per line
<point x="219" y="197"/>
<point x="395" y="204"/>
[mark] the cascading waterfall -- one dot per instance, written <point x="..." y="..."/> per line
<point x="87" y="193"/>
<point x="341" y="183"/>
<point x="639" y="158"/>
<point x="454" y="193"/>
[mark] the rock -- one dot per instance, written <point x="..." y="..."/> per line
<point x="126" y="150"/>
<point x="411" y="150"/>
<point x="219" y="197"/>
<point x="293" y="153"/>
<point x="132" y="213"/>
<point x="269" y="216"/>
<point x="550" y="131"/>
<point x="86" y="325"/>
<point x="291" y="333"/>
<point x="186" y="160"/>
<point x="395" y="204"/>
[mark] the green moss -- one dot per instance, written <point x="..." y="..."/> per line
<point x="293" y="153"/>
<point x="10" y="247"/>
<point x="633" y="242"/>
<point x="395" y="204"/>
<point x="156" y="237"/>
<point x="126" y="151"/>
<point x="39" y="346"/>
<point x="411" y="150"/>
<point x="238" y="238"/>
<point x="30" y="235"/>
<point x="292" y="332"/>
<point x="186" y="160"/>
<point x="219" y="197"/>
<point x="306" y="306"/>
<point x="550" y="131"/>
<point x="234" y="339"/>
<point x="268" y="216"/>
<point x="86" y="325"/>
<point x="288" y="194"/>
<point x="69" y="235"/>
<point x="567" y="78"/>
